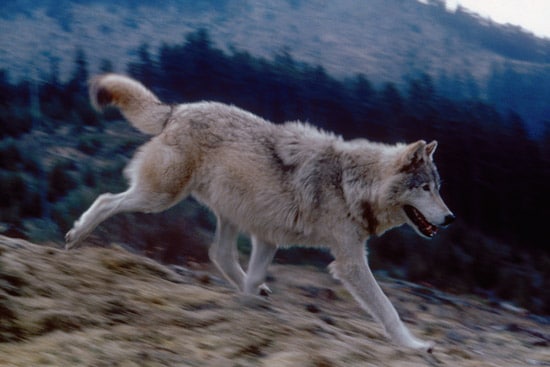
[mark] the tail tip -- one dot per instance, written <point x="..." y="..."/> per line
<point x="103" y="97"/>
<point x="100" y="95"/>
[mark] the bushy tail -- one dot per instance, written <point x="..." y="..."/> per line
<point x="138" y="104"/>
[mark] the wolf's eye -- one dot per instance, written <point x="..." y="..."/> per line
<point x="426" y="187"/>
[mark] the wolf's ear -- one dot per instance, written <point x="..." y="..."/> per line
<point x="415" y="150"/>
<point x="430" y="149"/>
<point x="413" y="156"/>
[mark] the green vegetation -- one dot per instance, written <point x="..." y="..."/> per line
<point x="57" y="155"/>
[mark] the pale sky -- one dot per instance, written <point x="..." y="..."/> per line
<point x="533" y="15"/>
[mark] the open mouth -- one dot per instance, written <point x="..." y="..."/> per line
<point x="421" y="223"/>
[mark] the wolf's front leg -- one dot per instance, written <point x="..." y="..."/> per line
<point x="353" y="271"/>
<point x="223" y="253"/>
<point x="262" y="255"/>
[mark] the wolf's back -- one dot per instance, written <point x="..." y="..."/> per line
<point x="138" y="104"/>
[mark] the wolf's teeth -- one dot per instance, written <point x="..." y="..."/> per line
<point x="423" y="225"/>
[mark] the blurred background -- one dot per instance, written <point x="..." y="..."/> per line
<point x="386" y="70"/>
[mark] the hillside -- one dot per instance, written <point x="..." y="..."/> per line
<point x="387" y="40"/>
<point x="107" y="307"/>
<point x="384" y="39"/>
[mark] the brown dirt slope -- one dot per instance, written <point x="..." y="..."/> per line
<point x="107" y="307"/>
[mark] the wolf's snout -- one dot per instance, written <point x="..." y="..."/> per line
<point x="449" y="218"/>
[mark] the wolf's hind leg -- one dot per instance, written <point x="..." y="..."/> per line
<point x="262" y="255"/>
<point x="353" y="271"/>
<point x="159" y="178"/>
<point x="107" y="205"/>
<point x="102" y="208"/>
<point x="223" y="253"/>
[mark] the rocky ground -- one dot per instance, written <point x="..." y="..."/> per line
<point x="107" y="307"/>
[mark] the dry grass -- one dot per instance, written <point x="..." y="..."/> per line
<point x="107" y="307"/>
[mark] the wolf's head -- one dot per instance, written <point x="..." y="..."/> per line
<point x="387" y="186"/>
<point x="415" y="190"/>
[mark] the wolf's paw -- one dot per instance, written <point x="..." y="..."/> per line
<point x="69" y="240"/>
<point x="404" y="338"/>
<point x="426" y="346"/>
<point x="72" y="238"/>
<point x="420" y="345"/>
<point x="261" y="290"/>
<point x="264" y="290"/>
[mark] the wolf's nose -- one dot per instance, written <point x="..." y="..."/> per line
<point x="449" y="219"/>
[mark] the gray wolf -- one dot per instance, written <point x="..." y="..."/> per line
<point x="281" y="184"/>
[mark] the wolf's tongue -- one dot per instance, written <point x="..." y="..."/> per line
<point x="423" y="225"/>
<point x="428" y="228"/>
